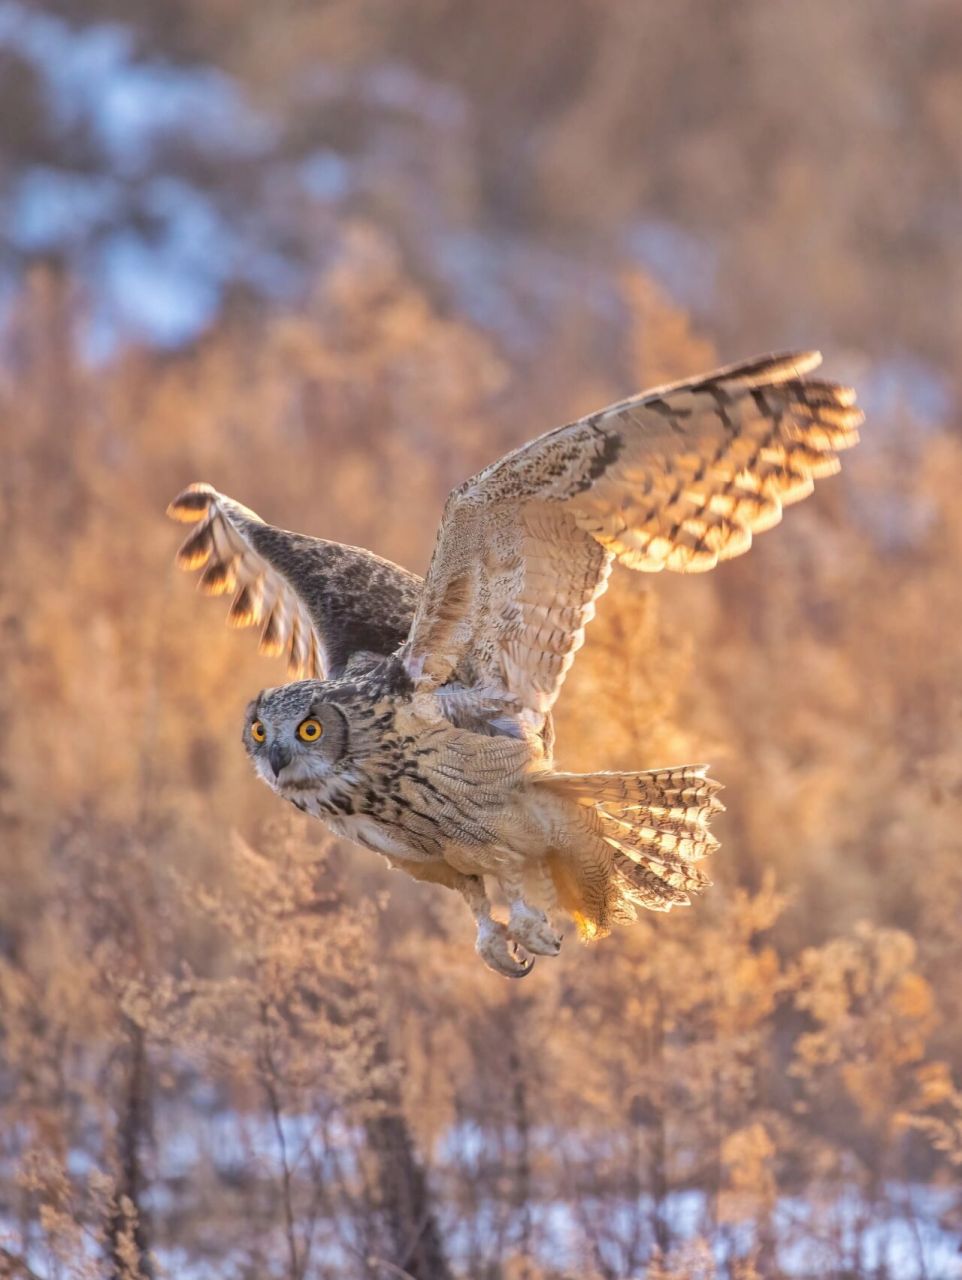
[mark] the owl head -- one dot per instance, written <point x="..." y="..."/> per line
<point x="296" y="736"/>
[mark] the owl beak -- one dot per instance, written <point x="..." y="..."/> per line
<point x="279" y="756"/>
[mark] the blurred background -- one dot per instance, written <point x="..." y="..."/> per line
<point x="333" y="258"/>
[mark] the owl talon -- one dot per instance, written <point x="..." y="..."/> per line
<point x="529" y="928"/>
<point x="500" y="953"/>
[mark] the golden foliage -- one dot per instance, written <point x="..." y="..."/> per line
<point x="232" y="1047"/>
<point x="163" y="958"/>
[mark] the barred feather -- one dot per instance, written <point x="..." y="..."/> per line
<point x="678" y="478"/>
<point x="654" y="824"/>
<point x="318" y="602"/>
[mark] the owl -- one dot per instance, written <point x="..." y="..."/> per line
<point x="418" y="723"/>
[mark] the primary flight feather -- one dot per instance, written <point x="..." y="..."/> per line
<point x="423" y="727"/>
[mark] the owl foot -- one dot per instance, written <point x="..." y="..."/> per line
<point x="529" y="927"/>
<point x="499" y="952"/>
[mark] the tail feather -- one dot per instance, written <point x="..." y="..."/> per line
<point x="636" y="844"/>
<point x="664" y="838"/>
<point x="689" y="783"/>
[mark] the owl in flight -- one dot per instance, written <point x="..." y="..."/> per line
<point x="419" y="722"/>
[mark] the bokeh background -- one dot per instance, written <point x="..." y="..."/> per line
<point x="332" y="258"/>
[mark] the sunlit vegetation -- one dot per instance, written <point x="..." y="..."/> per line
<point x="229" y="1046"/>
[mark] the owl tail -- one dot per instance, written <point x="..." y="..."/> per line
<point x="634" y="841"/>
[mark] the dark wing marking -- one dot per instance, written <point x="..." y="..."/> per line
<point x="320" y="601"/>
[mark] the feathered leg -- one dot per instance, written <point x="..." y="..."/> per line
<point x="494" y="943"/>
<point x="528" y="926"/>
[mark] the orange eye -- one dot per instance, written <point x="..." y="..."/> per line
<point x="258" y="732"/>
<point x="310" y="730"/>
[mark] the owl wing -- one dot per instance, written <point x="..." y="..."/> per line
<point x="319" y="601"/>
<point x="678" y="478"/>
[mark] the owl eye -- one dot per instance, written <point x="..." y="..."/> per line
<point x="310" y="730"/>
<point x="258" y="732"/>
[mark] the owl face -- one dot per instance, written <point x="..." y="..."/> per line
<point x="295" y="737"/>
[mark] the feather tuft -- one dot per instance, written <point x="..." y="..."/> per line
<point x="217" y="579"/>
<point x="193" y="503"/>
<point x="197" y="548"/>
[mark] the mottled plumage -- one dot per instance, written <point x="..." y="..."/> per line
<point x="322" y="602"/>
<point x="430" y="740"/>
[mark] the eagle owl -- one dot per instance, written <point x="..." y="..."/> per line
<point x="419" y="720"/>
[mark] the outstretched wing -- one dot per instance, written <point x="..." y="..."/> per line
<point x="320" y="601"/>
<point x="677" y="478"/>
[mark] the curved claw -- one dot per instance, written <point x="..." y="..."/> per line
<point x="501" y="954"/>
<point x="529" y="928"/>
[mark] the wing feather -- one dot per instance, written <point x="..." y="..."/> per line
<point x="319" y="602"/>
<point x="677" y="478"/>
